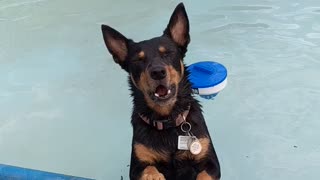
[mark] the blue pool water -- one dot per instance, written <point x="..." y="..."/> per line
<point x="65" y="105"/>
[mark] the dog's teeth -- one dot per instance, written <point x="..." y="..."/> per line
<point x="156" y="94"/>
<point x="169" y="91"/>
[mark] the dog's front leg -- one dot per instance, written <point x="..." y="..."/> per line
<point x="141" y="171"/>
<point x="211" y="171"/>
<point x="151" y="173"/>
<point x="203" y="175"/>
<point x="143" y="163"/>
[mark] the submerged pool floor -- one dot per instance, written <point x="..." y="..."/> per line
<point x="65" y="105"/>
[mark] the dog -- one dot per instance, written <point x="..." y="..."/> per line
<point x="164" y="109"/>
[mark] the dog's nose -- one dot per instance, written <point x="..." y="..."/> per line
<point x="158" y="73"/>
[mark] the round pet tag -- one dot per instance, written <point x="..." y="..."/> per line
<point x="195" y="147"/>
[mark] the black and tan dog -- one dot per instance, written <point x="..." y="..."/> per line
<point x="163" y="104"/>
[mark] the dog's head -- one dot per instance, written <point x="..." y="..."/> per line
<point x="155" y="66"/>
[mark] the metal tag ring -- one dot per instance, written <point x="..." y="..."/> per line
<point x="185" y="130"/>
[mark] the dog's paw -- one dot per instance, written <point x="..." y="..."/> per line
<point x="151" y="173"/>
<point x="157" y="176"/>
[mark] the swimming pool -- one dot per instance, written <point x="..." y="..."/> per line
<point x="64" y="101"/>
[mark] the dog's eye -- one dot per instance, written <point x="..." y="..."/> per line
<point x="135" y="60"/>
<point x="165" y="54"/>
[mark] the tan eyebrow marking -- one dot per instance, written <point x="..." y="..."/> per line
<point x="162" y="49"/>
<point x="141" y="55"/>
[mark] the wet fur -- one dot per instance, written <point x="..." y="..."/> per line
<point x="154" y="152"/>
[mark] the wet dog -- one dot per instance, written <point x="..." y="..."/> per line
<point x="170" y="137"/>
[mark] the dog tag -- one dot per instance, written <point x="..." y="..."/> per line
<point x="195" y="146"/>
<point x="183" y="142"/>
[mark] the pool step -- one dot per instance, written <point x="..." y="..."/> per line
<point x="8" y="172"/>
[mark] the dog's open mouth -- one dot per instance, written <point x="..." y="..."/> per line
<point x="163" y="92"/>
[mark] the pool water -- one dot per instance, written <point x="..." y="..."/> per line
<point x="65" y="105"/>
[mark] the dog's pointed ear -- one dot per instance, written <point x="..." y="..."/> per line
<point x="178" y="27"/>
<point x="116" y="43"/>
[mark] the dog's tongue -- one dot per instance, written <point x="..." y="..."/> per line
<point x="162" y="90"/>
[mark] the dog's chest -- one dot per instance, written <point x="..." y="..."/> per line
<point x="162" y="145"/>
